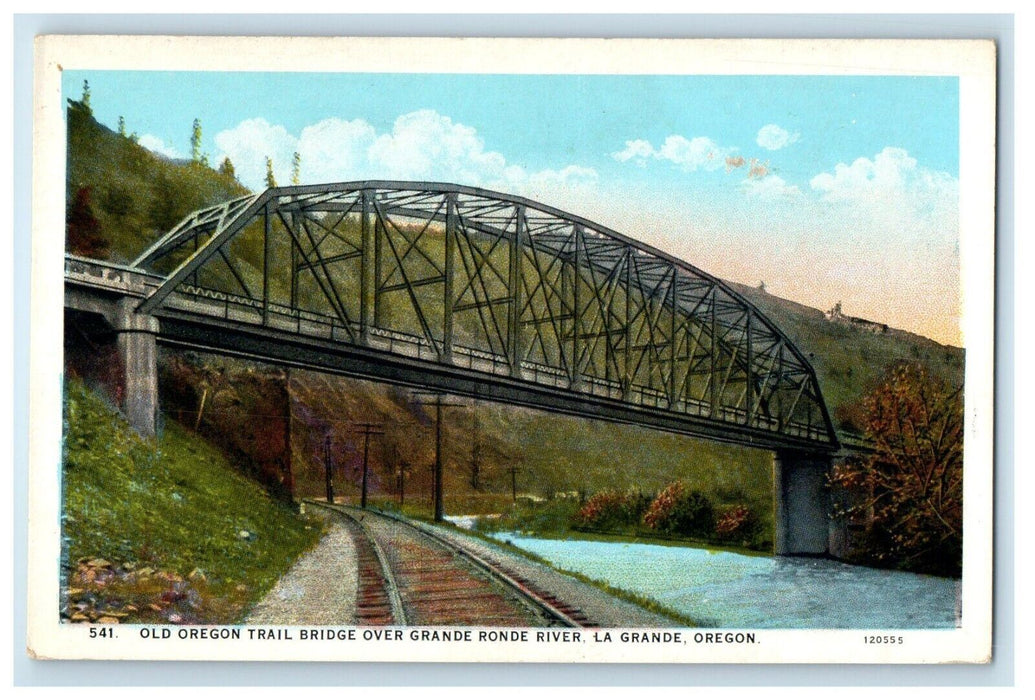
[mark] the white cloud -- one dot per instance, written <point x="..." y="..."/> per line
<point x="773" y="137"/>
<point x="249" y="144"/>
<point x="335" y="150"/>
<point x="156" y="145"/>
<point x="422" y="145"/>
<point x="427" y="145"/>
<point x="893" y="175"/>
<point x="698" y="153"/>
<point x="638" y="151"/>
<point x="770" y="187"/>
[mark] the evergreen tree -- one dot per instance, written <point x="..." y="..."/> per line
<point x="227" y="168"/>
<point x="195" y="142"/>
<point x="86" y="97"/>
<point x="122" y="125"/>
<point x="270" y="180"/>
<point x="296" y="168"/>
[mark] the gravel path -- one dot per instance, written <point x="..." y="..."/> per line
<point x="604" y="609"/>
<point x="320" y="589"/>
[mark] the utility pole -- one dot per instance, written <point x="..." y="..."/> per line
<point x="437" y="474"/>
<point x="327" y="468"/>
<point x="513" y="480"/>
<point x="367" y="429"/>
<point x="401" y="483"/>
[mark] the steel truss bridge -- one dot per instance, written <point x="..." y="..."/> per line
<point x="486" y="295"/>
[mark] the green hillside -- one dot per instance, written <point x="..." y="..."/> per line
<point x="133" y="194"/>
<point x="155" y="529"/>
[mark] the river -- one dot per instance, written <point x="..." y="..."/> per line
<point x="725" y="589"/>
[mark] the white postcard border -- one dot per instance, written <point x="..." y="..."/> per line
<point x="971" y="61"/>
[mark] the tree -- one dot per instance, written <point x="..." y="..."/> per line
<point x="85" y="101"/>
<point x="82" y="229"/>
<point x="296" y="168"/>
<point x="195" y="141"/>
<point x="122" y="125"/>
<point x="910" y="490"/>
<point x="227" y="168"/>
<point x="270" y="180"/>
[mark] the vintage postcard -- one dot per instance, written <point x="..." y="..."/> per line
<point x="512" y="350"/>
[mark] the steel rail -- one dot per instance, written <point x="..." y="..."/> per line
<point x="524" y="592"/>
<point x="391" y="587"/>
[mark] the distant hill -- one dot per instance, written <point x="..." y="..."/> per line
<point x="849" y="359"/>
<point x="133" y="194"/>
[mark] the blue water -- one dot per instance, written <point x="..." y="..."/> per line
<point x="737" y="591"/>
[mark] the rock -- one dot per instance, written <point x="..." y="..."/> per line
<point x="245" y="535"/>
<point x="175" y="619"/>
<point x="99" y="563"/>
<point x="74" y="591"/>
<point x="107" y="620"/>
<point x="79" y="617"/>
<point x="197" y="575"/>
<point x="155" y="607"/>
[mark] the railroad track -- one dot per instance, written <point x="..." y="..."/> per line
<point x="411" y="575"/>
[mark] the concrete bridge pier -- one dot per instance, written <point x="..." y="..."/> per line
<point x="135" y="336"/>
<point x="802" y="522"/>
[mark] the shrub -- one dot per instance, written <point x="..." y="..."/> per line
<point x="679" y="511"/>
<point x="736" y="523"/>
<point x="610" y="509"/>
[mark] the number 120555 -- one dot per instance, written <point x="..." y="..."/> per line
<point x="883" y="639"/>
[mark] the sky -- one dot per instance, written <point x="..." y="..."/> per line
<point x="825" y="188"/>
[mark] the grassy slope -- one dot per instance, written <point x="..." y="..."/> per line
<point x="175" y="505"/>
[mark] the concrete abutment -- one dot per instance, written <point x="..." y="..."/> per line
<point x="802" y="520"/>
<point x="135" y="336"/>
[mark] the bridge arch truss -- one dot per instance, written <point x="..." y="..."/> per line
<point x="500" y="286"/>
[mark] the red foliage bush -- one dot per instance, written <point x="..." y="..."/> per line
<point x="736" y="522"/>
<point x="611" y="509"/>
<point x="680" y="511"/>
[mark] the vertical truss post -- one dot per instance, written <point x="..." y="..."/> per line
<point x="672" y="345"/>
<point x="749" y="389"/>
<point x="266" y="265"/>
<point x="576" y="312"/>
<point x="448" y="301"/>
<point x="366" y="269"/>
<point x="379" y="232"/>
<point x="627" y="361"/>
<point x="713" y="353"/>
<point x="514" y="283"/>
<point x="294" y="262"/>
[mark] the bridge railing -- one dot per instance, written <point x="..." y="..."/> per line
<point x="201" y="300"/>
